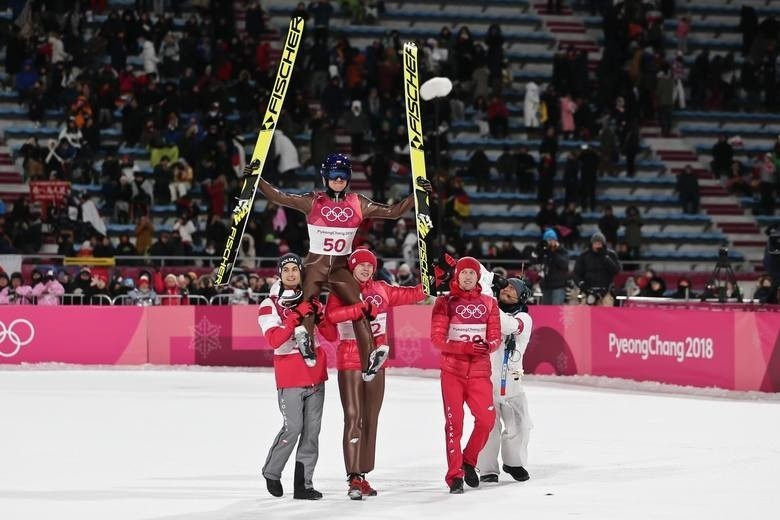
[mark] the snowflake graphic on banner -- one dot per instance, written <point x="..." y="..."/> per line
<point x="566" y="316"/>
<point x="561" y="363"/>
<point x="206" y="337"/>
<point x="409" y="347"/>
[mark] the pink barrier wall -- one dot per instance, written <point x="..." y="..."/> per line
<point x="733" y="350"/>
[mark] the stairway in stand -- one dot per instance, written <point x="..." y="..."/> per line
<point x="569" y="32"/>
<point x="738" y="225"/>
<point x="12" y="184"/>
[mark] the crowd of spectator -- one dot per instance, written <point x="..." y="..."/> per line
<point x="188" y="85"/>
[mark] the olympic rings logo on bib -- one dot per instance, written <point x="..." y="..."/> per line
<point x="337" y="214"/>
<point x="375" y="299"/>
<point x="471" y="311"/>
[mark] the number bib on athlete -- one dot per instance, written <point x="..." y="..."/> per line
<point x="465" y="332"/>
<point x="378" y="327"/>
<point x="331" y="241"/>
<point x="333" y="225"/>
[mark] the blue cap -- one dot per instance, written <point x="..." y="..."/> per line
<point x="549" y="234"/>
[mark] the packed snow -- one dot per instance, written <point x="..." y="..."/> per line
<point x="188" y="444"/>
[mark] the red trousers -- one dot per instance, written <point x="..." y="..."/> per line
<point x="477" y="393"/>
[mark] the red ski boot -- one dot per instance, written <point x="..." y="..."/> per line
<point x="355" y="491"/>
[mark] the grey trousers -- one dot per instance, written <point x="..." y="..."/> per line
<point x="302" y="414"/>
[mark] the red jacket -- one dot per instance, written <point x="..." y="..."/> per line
<point x="170" y="295"/>
<point x="453" y="315"/>
<point x="338" y="318"/>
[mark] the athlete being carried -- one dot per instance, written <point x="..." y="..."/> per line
<point x="333" y="217"/>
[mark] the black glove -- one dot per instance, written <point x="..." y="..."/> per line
<point x="510" y="343"/>
<point x="425" y="184"/>
<point x="250" y="167"/>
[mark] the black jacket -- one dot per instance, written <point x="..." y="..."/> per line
<point x="596" y="269"/>
<point x="556" y="269"/>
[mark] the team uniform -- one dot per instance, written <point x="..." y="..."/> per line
<point x="361" y="400"/>
<point x="333" y="219"/>
<point x="466" y="328"/>
<point x="511" y="432"/>
<point x="300" y="392"/>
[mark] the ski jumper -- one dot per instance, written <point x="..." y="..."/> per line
<point x="333" y="223"/>
<point x="361" y="400"/>
<point x="459" y="320"/>
<point x="300" y="391"/>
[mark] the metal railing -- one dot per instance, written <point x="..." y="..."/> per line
<point x="213" y="261"/>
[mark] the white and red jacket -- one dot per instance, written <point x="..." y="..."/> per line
<point x="339" y="316"/>
<point x="289" y="368"/>
<point x="459" y="319"/>
<point x="519" y="325"/>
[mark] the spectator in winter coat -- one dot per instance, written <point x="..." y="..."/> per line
<point x="148" y="55"/>
<point x="595" y="269"/>
<point x="531" y="105"/>
<point x="300" y="381"/>
<point x="633" y="231"/>
<point x="688" y="190"/>
<point x="555" y="269"/>
<point x="48" y="290"/>
<point x="722" y="156"/>
<point x="405" y="277"/>
<point x="684" y="290"/>
<point x="608" y="225"/>
<point x="143" y="295"/>
<point x="16" y="293"/>
<point x="168" y="290"/>
<point x="466" y="328"/>
<point x="479" y="169"/>
<point x="357" y="125"/>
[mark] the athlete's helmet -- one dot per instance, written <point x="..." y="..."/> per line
<point x="336" y="166"/>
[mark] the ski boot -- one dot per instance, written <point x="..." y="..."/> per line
<point x="305" y="346"/>
<point x="355" y="490"/>
<point x="376" y="359"/>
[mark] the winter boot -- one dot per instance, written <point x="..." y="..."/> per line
<point x="518" y="472"/>
<point x="376" y="359"/>
<point x="300" y="491"/>
<point x="274" y="487"/>
<point x="488" y="478"/>
<point x="305" y="345"/>
<point x="366" y="488"/>
<point x="471" y="477"/>
<point x="456" y="488"/>
<point x="355" y="491"/>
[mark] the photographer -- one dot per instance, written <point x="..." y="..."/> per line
<point x="595" y="271"/>
<point x="555" y="268"/>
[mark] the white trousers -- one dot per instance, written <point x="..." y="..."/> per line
<point x="509" y="436"/>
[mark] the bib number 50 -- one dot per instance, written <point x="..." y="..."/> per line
<point x="338" y="245"/>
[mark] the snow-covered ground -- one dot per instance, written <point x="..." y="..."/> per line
<point x="188" y="444"/>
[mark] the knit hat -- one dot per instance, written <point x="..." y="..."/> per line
<point x="466" y="262"/>
<point x="290" y="258"/>
<point x="359" y="256"/>
<point x="549" y="234"/>
<point x="598" y="237"/>
<point x="143" y="278"/>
